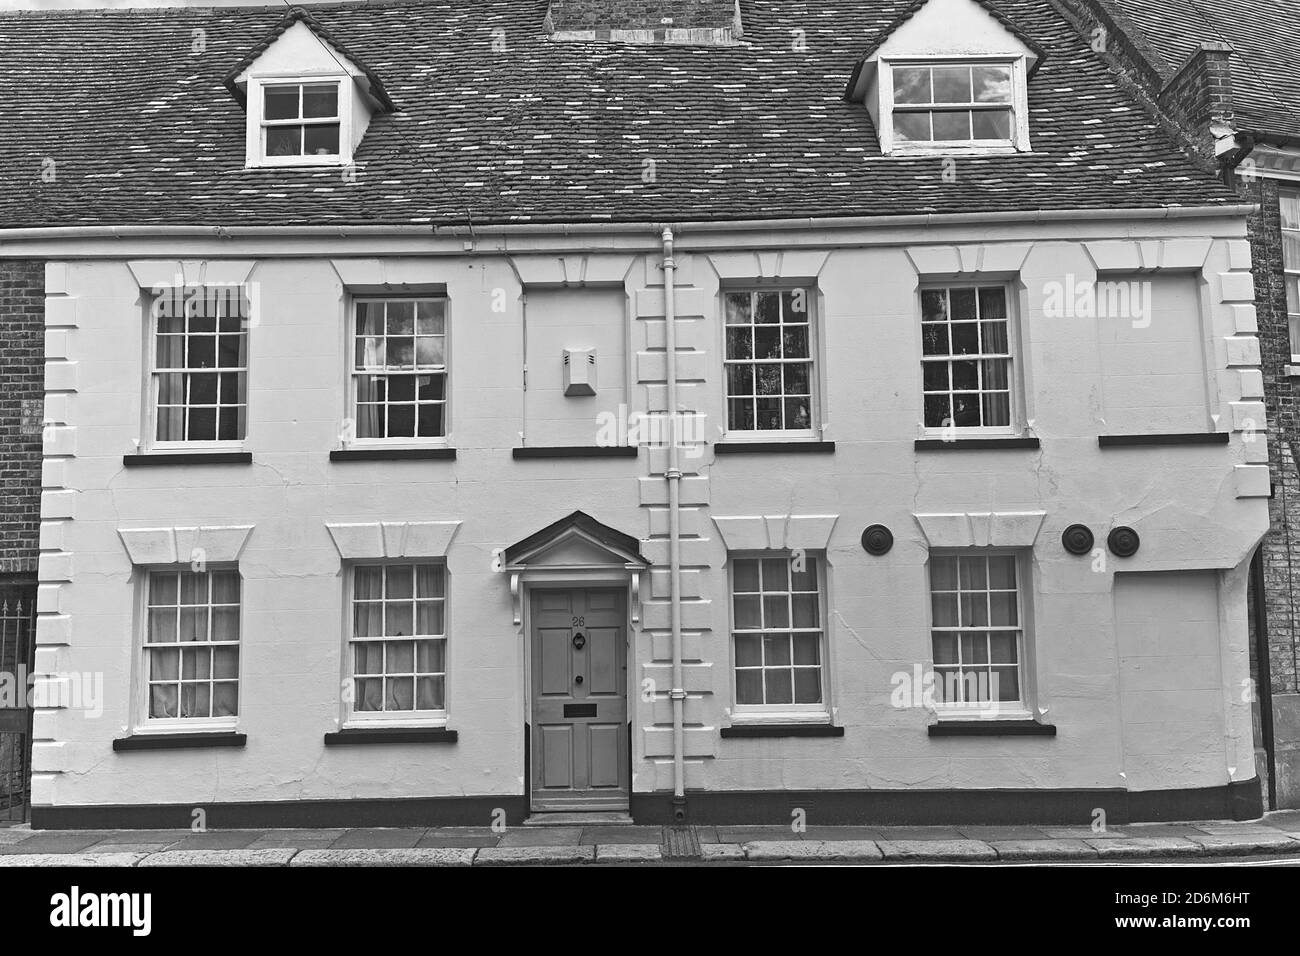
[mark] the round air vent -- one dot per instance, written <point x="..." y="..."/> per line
<point x="1078" y="539"/>
<point x="1124" y="542"/>
<point x="877" y="540"/>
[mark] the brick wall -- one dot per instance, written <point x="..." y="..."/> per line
<point x="22" y="390"/>
<point x="1200" y="94"/>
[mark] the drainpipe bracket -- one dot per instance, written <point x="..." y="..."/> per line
<point x="677" y="694"/>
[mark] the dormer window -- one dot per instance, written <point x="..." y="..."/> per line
<point x="300" y="120"/>
<point x="953" y="103"/>
<point x="948" y="78"/>
<point x="309" y="100"/>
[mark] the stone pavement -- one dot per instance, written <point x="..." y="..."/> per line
<point x="1276" y="834"/>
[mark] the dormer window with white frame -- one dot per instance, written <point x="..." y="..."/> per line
<point x="952" y="104"/>
<point x="951" y="78"/>
<point x="300" y="120"/>
<point x="308" y="101"/>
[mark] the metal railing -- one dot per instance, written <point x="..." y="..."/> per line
<point x="17" y="646"/>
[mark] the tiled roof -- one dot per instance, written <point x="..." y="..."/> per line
<point x="640" y="14"/>
<point x="141" y="130"/>
<point x="1266" y="83"/>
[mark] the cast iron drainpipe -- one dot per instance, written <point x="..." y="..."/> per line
<point x="673" y="475"/>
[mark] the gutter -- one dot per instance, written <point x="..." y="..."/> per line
<point x="673" y="475"/>
<point x="1226" y="210"/>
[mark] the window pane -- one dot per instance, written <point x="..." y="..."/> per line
<point x="776" y="650"/>
<point x="431" y="657"/>
<point x="992" y="84"/>
<point x="912" y="84"/>
<point x="807" y="685"/>
<point x="749" y="650"/>
<point x="740" y="342"/>
<point x="320" y="100"/>
<point x="747" y="613"/>
<point x="945" y="648"/>
<point x="162" y="626"/>
<point x="739" y="308"/>
<point x="162" y="700"/>
<point x="321" y="140"/>
<point x="776" y="611"/>
<point x="429" y="581"/>
<point x="1002" y="572"/>
<point x="952" y="85"/>
<point x="399" y="580"/>
<point x="745" y="576"/>
<point x="281" y="102"/>
<point x="1290" y="203"/>
<point x="430" y="693"/>
<point x="807" y="649"/>
<point x="767" y="308"/>
<point x="749" y="687"/>
<point x="284" y="141"/>
<point x="951" y="125"/>
<point x="943" y="609"/>
<point x="943" y="574"/>
<point x="912" y="127"/>
<point x="805" y="579"/>
<point x="779" y="686"/>
<point x="991" y="124"/>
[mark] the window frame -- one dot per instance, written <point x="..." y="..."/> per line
<point x="1015" y="403"/>
<point x="816" y="421"/>
<point x="780" y="714"/>
<point x="1022" y="709"/>
<point x="256" y="122"/>
<point x="149" y="440"/>
<point x="353" y="718"/>
<point x="142" y="722"/>
<point x="351" y="373"/>
<point x="1290" y="273"/>
<point x="1019" y="105"/>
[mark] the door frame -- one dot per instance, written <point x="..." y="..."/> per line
<point x="624" y="579"/>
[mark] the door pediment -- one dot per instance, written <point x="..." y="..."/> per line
<point x="576" y="541"/>
<point x="576" y="550"/>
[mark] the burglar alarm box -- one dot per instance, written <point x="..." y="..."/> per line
<point x="579" y="371"/>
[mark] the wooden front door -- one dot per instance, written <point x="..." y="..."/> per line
<point x="579" y="727"/>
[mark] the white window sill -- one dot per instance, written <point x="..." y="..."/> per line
<point x="402" y="722"/>
<point x="1292" y="371"/>
<point x="780" y="718"/>
<point x="184" y="725"/>
<point x="989" y="713"/>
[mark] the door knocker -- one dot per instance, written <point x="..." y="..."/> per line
<point x="579" y="641"/>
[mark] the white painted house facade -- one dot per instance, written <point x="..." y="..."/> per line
<point x="384" y="522"/>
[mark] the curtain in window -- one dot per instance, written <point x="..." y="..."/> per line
<point x="171" y="388"/>
<point x="368" y="621"/>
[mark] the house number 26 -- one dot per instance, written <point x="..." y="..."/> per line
<point x="579" y="621"/>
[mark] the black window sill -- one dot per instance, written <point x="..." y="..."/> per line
<point x="151" y="459"/>
<point x="782" y="730"/>
<point x="391" y="735"/>
<point x="576" y="451"/>
<point x="774" y="448"/>
<point x="179" y="741"/>
<point x="971" y="444"/>
<point x="393" y="454"/>
<point x="981" y="727"/>
<point x="1187" y="438"/>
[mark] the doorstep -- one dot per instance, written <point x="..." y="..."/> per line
<point x="603" y="818"/>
